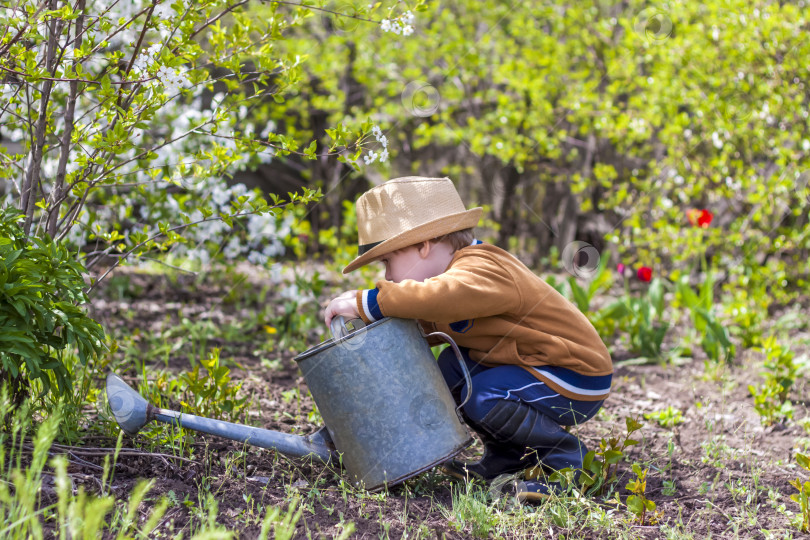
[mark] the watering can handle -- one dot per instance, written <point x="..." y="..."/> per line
<point x="461" y="363"/>
<point x="339" y="329"/>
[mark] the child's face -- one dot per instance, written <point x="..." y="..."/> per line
<point x="414" y="263"/>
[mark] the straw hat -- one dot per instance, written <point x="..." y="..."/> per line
<point x="406" y="211"/>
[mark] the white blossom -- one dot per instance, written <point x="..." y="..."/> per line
<point x="399" y="25"/>
<point x="716" y="140"/>
<point x="257" y="257"/>
<point x="163" y="11"/>
<point x="232" y="249"/>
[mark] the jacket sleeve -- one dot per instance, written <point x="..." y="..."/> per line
<point x="472" y="287"/>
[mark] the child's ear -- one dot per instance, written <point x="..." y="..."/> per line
<point x="424" y="249"/>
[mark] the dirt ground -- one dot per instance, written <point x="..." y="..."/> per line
<point x="718" y="474"/>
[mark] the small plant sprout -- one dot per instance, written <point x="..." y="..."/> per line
<point x="666" y="418"/>
<point x="599" y="466"/>
<point x="803" y="496"/>
<point x="781" y="370"/>
<point x="213" y="394"/>
<point x="638" y="503"/>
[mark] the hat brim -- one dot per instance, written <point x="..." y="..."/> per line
<point x="426" y="231"/>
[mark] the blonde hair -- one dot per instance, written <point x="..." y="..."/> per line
<point x="457" y="239"/>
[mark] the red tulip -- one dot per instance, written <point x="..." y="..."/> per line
<point x="699" y="218"/>
<point x="644" y="273"/>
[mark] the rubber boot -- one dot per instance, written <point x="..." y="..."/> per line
<point x="520" y="425"/>
<point x="499" y="458"/>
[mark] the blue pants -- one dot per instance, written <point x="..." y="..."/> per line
<point x="491" y="384"/>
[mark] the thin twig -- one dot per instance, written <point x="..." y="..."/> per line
<point x="320" y="9"/>
<point x="29" y="192"/>
<point x="124" y="452"/>
<point x="257" y="141"/>
<point x="59" y="184"/>
<point x="74" y="79"/>
<point x="82" y="461"/>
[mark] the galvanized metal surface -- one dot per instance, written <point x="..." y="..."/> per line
<point x="132" y="412"/>
<point x="384" y="402"/>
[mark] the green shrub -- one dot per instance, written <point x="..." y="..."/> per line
<point x="41" y="319"/>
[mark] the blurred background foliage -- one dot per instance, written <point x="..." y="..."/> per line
<point x="598" y="122"/>
<point x="592" y="132"/>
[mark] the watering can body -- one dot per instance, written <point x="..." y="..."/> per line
<point x="384" y="402"/>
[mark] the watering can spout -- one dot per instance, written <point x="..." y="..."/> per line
<point x="132" y="412"/>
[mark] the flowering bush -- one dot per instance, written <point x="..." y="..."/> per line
<point x="126" y="125"/>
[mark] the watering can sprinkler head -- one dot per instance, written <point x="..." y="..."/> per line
<point x="128" y="407"/>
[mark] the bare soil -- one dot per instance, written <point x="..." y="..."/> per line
<point x="720" y="473"/>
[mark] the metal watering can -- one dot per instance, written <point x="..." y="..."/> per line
<point x="388" y="412"/>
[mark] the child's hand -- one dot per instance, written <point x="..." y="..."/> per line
<point x="345" y="304"/>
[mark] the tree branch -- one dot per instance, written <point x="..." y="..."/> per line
<point x="303" y="6"/>
<point x="29" y="191"/>
<point x="58" y="188"/>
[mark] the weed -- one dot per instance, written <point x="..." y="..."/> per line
<point x="24" y="509"/>
<point x="637" y="503"/>
<point x="748" y="310"/>
<point x="716" y="452"/>
<point x="803" y="496"/>
<point x="667" y="418"/>
<point x="212" y="394"/>
<point x="781" y="370"/>
<point x="599" y="466"/>
<point x="472" y="510"/>
<point x="669" y="487"/>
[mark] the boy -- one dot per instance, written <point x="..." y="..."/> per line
<point x="537" y="363"/>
